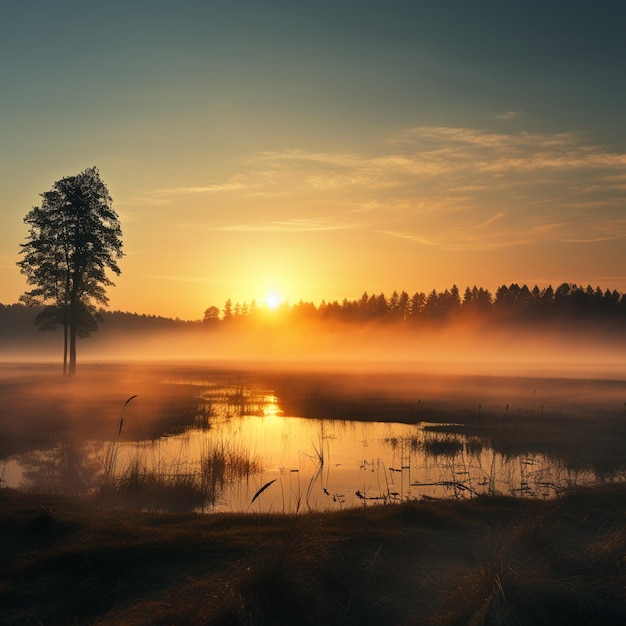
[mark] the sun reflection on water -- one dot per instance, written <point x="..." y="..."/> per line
<point x="242" y="453"/>
<point x="270" y="406"/>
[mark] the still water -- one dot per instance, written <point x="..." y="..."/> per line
<point x="241" y="450"/>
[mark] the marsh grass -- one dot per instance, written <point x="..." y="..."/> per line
<point x="223" y="463"/>
<point x="584" y="440"/>
<point x="489" y="560"/>
<point x="112" y="448"/>
<point x="140" y="488"/>
<point x="178" y="485"/>
<point x="443" y="446"/>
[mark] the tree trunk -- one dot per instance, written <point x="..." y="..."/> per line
<point x="72" y="366"/>
<point x="65" y="348"/>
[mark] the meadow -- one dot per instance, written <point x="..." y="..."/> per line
<point x="487" y="560"/>
<point x="111" y="552"/>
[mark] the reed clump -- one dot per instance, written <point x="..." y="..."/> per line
<point x="144" y="489"/>
<point x="437" y="446"/>
<point x="177" y="486"/>
<point x="224" y="463"/>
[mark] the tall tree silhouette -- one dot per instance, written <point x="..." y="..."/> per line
<point x="74" y="238"/>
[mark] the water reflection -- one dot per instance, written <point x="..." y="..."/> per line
<point x="68" y="468"/>
<point x="241" y="453"/>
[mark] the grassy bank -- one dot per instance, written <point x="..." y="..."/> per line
<point x="481" y="561"/>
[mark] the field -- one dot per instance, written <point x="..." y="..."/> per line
<point x="478" y="560"/>
<point x="481" y="561"/>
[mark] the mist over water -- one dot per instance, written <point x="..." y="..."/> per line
<point x="466" y="347"/>
<point x="440" y="411"/>
<point x="330" y="420"/>
<point x="459" y="349"/>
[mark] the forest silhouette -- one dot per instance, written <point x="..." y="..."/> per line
<point x="510" y="305"/>
<point x="568" y="302"/>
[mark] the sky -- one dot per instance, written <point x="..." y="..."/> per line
<point x="317" y="150"/>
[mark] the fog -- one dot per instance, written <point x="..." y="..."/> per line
<point x="465" y="348"/>
<point x="364" y="370"/>
<point x="532" y="391"/>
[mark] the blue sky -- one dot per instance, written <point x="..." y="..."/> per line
<point x="321" y="149"/>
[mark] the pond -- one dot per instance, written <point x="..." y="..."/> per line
<point x="199" y="439"/>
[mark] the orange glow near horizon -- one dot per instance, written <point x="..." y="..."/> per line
<point x="325" y="239"/>
<point x="280" y="150"/>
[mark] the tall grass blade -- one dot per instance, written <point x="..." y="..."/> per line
<point x="112" y="449"/>
<point x="261" y="490"/>
<point x="119" y="432"/>
<point x="129" y="399"/>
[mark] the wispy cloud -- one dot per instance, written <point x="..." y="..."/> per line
<point x="411" y="237"/>
<point x="451" y="240"/>
<point x="469" y="158"/>
<point x="338" y="159"/>
<point x="286" y="226"/>
<point x="438" y="162"/>
<point x="508" y="115"/>
<point x="230" y="185"/>
<point x="445" y="186"/>
<point x="200" y="280"/>
<point x="593" y="239"/>
<point x="491" y="220"/>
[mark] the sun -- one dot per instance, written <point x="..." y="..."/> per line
<point x="273" y="300"/>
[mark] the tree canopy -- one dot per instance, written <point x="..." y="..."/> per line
<point x="74" y="239"/>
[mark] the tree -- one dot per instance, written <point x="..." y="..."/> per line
<point x="228" y="310"/>
<point x="211" y="316"/>
<point x="403" y="306"/>
<point x="74" y="238"/>
<point x="418" y="302"/>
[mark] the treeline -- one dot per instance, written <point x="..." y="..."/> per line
<point x="17" y="320"/>
<point x="568" y="302"/>
<point x="509" y="304"/>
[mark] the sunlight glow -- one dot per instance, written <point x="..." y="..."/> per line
<point x="273" y="301"/>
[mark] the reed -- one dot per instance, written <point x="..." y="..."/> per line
<point x="177" y="485"/>
<point x="442" y="446"/>
<point x="112" y="449"/>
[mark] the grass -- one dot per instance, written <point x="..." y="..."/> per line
<point x="442" y="446"/>
<point x="484" y="560"/>
<point x="176" y="487"/>
<point x="593" y="441"/>
<point x="141" y="486"/>
<point x="489" y="560"/>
